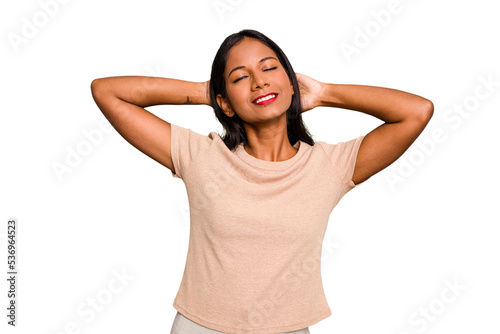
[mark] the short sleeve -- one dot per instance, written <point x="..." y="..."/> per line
<point x="343" y="158"/>
<point x="185" y="145"/>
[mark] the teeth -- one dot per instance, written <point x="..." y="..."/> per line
<point x="265" y="98"/>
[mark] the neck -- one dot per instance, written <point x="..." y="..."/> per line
<point x="269" y="143"/>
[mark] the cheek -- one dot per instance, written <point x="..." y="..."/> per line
<point x="235" y="96"/>
<point x="286" y="83"/>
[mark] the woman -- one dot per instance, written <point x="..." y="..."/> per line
<point x="261" y="195"/>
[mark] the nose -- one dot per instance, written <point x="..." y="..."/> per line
<point x="259" y="81"/>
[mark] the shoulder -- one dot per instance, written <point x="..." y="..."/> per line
<point x="190" y="136"/>
<point x="340" y="149"/>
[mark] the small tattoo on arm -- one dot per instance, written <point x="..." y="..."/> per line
<point x="188" y="101"/>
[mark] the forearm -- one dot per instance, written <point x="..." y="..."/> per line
<point x="389" y="105"/>
<point x="149" y="91"/>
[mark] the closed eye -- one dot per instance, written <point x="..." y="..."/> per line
<point x="235" y="81"/>
<point x="267" y="69"/>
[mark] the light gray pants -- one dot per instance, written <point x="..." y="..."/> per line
<point x="183" y="325"/>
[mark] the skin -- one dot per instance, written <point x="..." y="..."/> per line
<point x="405" y="115"/>
<point x="265" y="125"/>
<point x="123" y="100"/>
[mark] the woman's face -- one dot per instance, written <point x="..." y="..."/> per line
<point x="253" y="70"/>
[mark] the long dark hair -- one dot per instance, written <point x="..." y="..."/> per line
<point x="233" y="126"/>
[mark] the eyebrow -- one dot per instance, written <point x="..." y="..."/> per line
<point x="239" y="67"/>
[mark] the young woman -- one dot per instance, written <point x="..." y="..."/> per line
<point x="261" y="195"/>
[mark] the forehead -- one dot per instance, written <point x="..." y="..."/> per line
<point x="247" y="52"/>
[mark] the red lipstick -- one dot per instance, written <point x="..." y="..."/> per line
<point x="265" y="99"/>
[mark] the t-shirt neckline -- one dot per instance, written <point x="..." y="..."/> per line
<point x="272" y="165"/>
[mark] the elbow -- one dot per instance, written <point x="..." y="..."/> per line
<point x="93" y="86"/>
<point x="96" y="88"/>
<point x="429" y="108"/>
<point x="425" y="111"/>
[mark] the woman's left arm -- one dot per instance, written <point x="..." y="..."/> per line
<point x="405" y="116"/>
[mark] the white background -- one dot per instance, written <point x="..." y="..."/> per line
<point x="391" y="244"/>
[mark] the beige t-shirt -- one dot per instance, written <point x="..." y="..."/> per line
<point x="256" y="232"/>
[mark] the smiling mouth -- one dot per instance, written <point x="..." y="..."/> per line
<point x="270" y="98"/>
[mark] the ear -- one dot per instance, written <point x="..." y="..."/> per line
<point x="224" y="105"/>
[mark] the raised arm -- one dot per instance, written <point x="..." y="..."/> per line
<point x="405" y="116"/>
<point x="122" y="101"/>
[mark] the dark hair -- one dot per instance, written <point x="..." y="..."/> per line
<point x="233" y="126"/>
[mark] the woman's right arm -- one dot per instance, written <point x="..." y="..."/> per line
<point x="122" y="101"/>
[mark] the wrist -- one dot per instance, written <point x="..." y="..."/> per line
<point x="321" y="99"/>
<point x="205" y="92"/>
<point x="327" y="96"/>
<point x="196" y="93"/>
